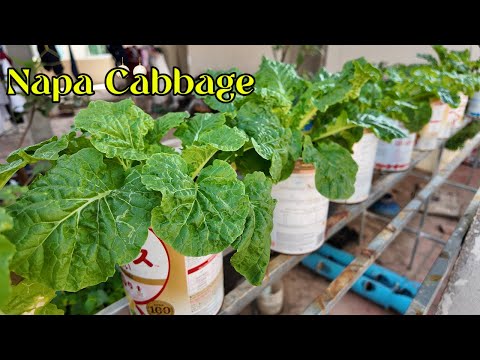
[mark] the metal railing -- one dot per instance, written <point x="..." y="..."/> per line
<point x="340" y="216"/>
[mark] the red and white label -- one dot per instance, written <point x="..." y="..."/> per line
<point x="395" y="156"/>
<point x="205" y="283"/>
<point x="145" y="277"/>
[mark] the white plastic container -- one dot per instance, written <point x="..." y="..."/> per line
<point x="473" y="110"/>
<point x="457" y="114"/>
<point x="300" y="215"/>
<point x="396" y="155"/>
<point x="428" y="136"/>
<point x="364" y="153"/>
<point x="161" y="281"/>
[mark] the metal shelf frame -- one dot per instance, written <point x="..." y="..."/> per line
<point x="340" y="216"/>
<point x="324" y="303"/>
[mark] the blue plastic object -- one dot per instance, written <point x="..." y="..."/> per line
<point x="308" y="126"/>
<point x="366" y="287"/>
<point x="389" y="278"/>
<point x="386" y="206"/>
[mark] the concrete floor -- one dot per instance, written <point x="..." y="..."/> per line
<point x="302" y="285"/>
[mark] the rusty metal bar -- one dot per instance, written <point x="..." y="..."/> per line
<point x="440" y="270"/>
<point x="245" y="293"/>
<point x="447" y="182"/>
<point x="424" y="214"/>
<point x="340" y="286"/>
<point x="408" y="229"/>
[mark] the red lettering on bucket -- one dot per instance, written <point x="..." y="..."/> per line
<point x="143" y="258"/>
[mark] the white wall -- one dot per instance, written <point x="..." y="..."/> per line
<point x="391" y="54"/>
<point x="247" y="57"/>
<point x="223" y="57"/>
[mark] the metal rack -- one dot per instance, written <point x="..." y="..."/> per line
<point x="339" y="287"/>
<point x="341" y="215"/>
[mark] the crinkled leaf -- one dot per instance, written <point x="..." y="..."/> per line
<point x="197" y="157"/>
<point x="209" y="129"/>
<point x="253" y="246"/>
<point x="116" y="129"/>
<point x="250" y="161"/>
<point x="9" y="169"/>
<point x="417" y="117"/>
<point x="6" y="253"/>
<point x="331" y="90"/>
<point x="269" y="138"/>
<point x="458" y="140"/>
<point x="294" y="153"/>
<point x="224" y="138"/>
<point x="76" y="144"/>
<point x="331" y="124"/>
<point x="430" y="58"/>
<point x="335" y="169"/>
<point x="9" y="194"/>
<point x="28" y="298"/>
<point x="159" y="148"/>
<point x="165" y="123"/>
<point x="196" y="218"/>
<point x="383" y="127"/>
<point x="348" y="138"/>
<point x="279" y="77"/>
<point x="78" y="221"/>
<point x="46" y="150"/>
<point x="213" y="102"/>
<point x="345" y="85"/>
<point x="49" y="309"/>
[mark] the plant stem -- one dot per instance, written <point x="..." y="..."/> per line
<point x="29" y="125"/>
<point x="330" y="133"/>
<point x="122" y="163"/>
<point x="307" y="118"/>
<point x="199" y="168"/>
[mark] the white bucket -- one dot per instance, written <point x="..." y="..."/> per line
<point x="161" y="281"/>
<point x="300" y="215"/>
<point x="457" y="114"/>
<point x="364" y="153"/>
<point x="396" y="155"/>
<point x="428" y="136"/>
<point x="474" y="106"/>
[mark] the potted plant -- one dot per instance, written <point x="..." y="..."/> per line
<point x="114" y="181"/>
<point x="305" y="152"/>
<point x="460" y="64"/>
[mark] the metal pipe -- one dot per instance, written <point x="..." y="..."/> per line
<point x="339" y="287"/>
<point x="443" y="265"/>
<point x="424" y="214"/>
<point x="389" y="278"/>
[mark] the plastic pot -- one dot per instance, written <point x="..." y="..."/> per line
<point x="161" y="281"/>
<point x="300" y="215"/>
<point x="364" y="153"/>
